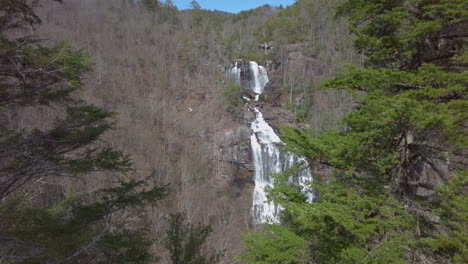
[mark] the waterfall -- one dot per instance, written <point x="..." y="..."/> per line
<point x="260" y="78"/>
<point x="267" y="159"/>
<point x="267" y="156"/>
<point x="236" y="73"/>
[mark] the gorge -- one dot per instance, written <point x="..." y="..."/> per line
<point x="268" y="158"/>
<point x="129" y="135"/>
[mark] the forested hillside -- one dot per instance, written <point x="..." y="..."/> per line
<point x="125" y="137"/>
<point x="397" y="193"/>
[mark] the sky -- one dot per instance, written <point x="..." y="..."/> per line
<point x="233" y="6"/>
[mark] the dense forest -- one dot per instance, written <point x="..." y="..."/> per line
<point x="125" y="137"/>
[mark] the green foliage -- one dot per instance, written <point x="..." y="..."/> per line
<point x="45" y="153"/>
<point x="405" y="34"/>
<point x="83" y="123"/>
<point x="245" y="14"/>
<point x="345" y="226"/>
<point x="400" y="110"/>
<point x="127" y="246"/>
<point x="63" y="230"/>
<point x="150" y="5"/>
<point x="430" y="99"/>
<point x="192" y="48"/>
<point x="230" y="44"/>
<point x="453" y="209"/>
<point x="274" y="244"/>
<point x="187" y="53"/>
<point x="288" y="25"/>
<point x="106" y="159"/>
<point x="91" y="227"/>
<point x="41" y="75"/>
<point x="232" y="95"/>
<point x="168" y="13"/>
<point x="69" y="64"/>
<point x="18" y="15"/>
<point x="185" y="241"/>
<point x="411" y="107"/>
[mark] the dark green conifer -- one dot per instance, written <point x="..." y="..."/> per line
<point x="411" y="112"/>
<point x="185" y="242"/>
<point x="81" y="228"/>
<point x="151" y="5"/>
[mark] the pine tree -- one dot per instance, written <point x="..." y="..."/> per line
<point x="169" y="13"/>
<point x="195" y="5"/>
<point x="412" y="101"/>
<point x="151" y="5"/>
<point x="452" y="206"/>
<point x="77" y="229"/>
<point x="275" y="244"/>
<point x="185" y="241"/>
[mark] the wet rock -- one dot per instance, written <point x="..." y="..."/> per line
<point x="247" y="117"/>
<point x="250" y="94"/>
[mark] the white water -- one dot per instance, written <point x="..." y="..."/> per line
<point x="267" y="157"/>
<point x="236" y="73"/>
<point x="260" y="78"/>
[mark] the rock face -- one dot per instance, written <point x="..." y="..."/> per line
<point x="234" y="152"/>
<point x="235" y="148"/>
<point x="427" y="167"/>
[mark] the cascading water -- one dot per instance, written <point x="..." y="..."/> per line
<point x="267" y="157"/>
<point x="260" y="78"/>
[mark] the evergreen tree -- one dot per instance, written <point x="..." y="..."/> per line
<point x="151" y="5"/>
<point x="31" y="75"/>
<point x="169" y="3"/>
<point x="406" y="34"/>
<point x="195" y="5"/>
<point x="275" y="244"/>
<point x="452" y="206"/>
<point x="412" y="110"/>
<point x="185" y="241"/>
<point x="77" y="229"/>
<point x="169" y="13"/>
<point x="232" y="95"/>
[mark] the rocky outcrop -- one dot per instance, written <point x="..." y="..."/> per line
<point x="234" y="147"/>
<point x="235" y="155"/>
<point x="423" y="167"/>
